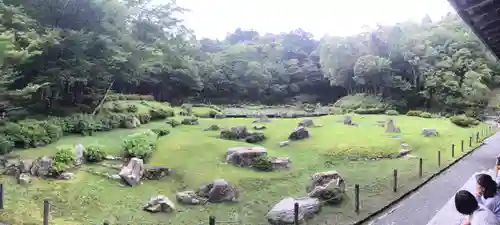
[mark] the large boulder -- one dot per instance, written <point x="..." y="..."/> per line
<point x="390" y="127"/>
<point x="306" y="122"/>
<point x="41" y="166"/>
<point x="79" y="150"/>
<point x="348" y="120"/>
<point x="156" y="172"/>
<point x="262" y="119"/>
<point x="328" y="186"/>
<point x="255" y="137"/>
<point x="280" y="162"/>
<point x="133" y="172"/>
<point x="189" y="198"/>
<point x="429" y="132"/>
<point x="190" y="121"/>
<point x="213" y="127"/>
<point x="244" y="156"/>
<point x="283" y="212"/>
<point x="236" y="132"/>
<point x="218" y="191"/>
<point x="299" y="133"/>
<point x="159" y="203"/>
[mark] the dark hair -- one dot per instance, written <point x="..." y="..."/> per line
<point x="489" y="185"/>
<point x="465" y="202"/>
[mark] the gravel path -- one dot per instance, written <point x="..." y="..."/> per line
<point x="422" y="206"/>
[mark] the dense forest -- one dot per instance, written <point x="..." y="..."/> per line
<point x="62" y="55"/>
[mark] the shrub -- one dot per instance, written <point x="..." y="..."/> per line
<point x="6" y="145"/>
<point x="357" y="101"/>
<point x="425" y="115"/>
<point x="262" y="164"/>
<point x="464" y="121"/>
<point x="187" y="109"/>
<point x="391" y="112"/>
<point x="118" y="108"/>
<point x="173" y="123"/>
<point x="190" y="121"/>
<point x="94" y="154"/>
<point x="31" y="133"/>
<point x="159" y="114"/>
<point x="57" y="168"/>
<point x="414" y="113"/>
<point x="115" y="97"/>
<point x="64" y="156"/>
<point x="140" y="145"/>
<point x="132" y="108"/>
<point x="161" y="131"/>
<point x="369" y="111"/>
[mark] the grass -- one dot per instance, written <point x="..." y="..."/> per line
<point x="197" y="157"/>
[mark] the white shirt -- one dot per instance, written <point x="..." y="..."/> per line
<point x="483" y="216"/>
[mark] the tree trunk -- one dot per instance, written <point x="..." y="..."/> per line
<point x="103" y="98"/>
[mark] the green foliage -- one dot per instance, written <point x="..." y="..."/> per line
<point x="414" y="113"/>
<point x="116" y="97"/>
<point x="161" y="131"/>
<point x="64" y="156"/>
<point x="31" y="133"/>
<point x="369" y="111"/>
<point x="464" y="121"/>
<point x="57" y="168"/>
<point x="360" y="101"/>
<point x="173" y="122"/>
<point x="132" y="108"/>
<point x="391" y="112"/>
<point x="425" y="115"/>
<point x="94" y="153"/>
<point x="6" y="145"/>
<point x="160" y="114"/>
<point x="262" y="163"/>
<point x="140" y="145"/>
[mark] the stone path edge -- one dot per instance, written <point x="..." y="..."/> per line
<point x="416" y="188"/>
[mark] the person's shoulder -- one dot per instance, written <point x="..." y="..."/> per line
<point x="484" y="216"/>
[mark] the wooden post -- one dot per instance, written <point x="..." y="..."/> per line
<point x="439" y="158"/>
<point x="46" y="212"/>
<point x="462" y="142"/>
<point x="296" y="213"/>
<point x="452" y="150"/>
<point x="477" y="137"/>
<point x="395" y="187"/>
<point x="470" y="141"/>
<point x="420" y="165"/>
<point x="211" y="220"/>
<point x="1" y="196"/>
<point x="356" y="198"/>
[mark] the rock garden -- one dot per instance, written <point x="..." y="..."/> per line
<point x="242" y="170"/>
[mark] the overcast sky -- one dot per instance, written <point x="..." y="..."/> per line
<point x="215" y="18"/>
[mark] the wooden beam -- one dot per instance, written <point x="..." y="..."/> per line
<point x="465" y="17"/>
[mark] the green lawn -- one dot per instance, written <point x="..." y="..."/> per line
<point x="197" y="157"/>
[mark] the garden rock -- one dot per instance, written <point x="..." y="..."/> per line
<point x="41" y="166"/>
<point x="391" y="128"/>
<point x="110" y="157"/>
<point x="25" y="165"/>
<point x="348" y="120"/>
<point x="136" y="122"/>
<point x="306" y="122"/>
<point x="280" y="162"/>
<point x="156" y="172"/>
<point x="159" y="203"/>
<point x="66" y="176"/>
<point x="259" y="127"/>
<point x="190" y="121"/>
<point x="328" y="186"/>
<point x="283" y="212"/>
<point x="236" y="132"/>
<point x="24" y="178"/>
<point x="299" y="133"/>
<point x="244" y="156"/>
<point x="284" y="143"/>
<point x="428" y="132"/>
<point x="189" y="198"/>
<point x="132" y="173"/>
<point x="255" y="137"/>
<point x="218" y="191"/>
<point x="403" y="152"/>
<point x="262" y="119"/>
<point x="213" y="127"/>
<point x="79" y="150"/>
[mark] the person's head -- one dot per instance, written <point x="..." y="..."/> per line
<point x="465" y="202"/>
<point x="486" y="186"/>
